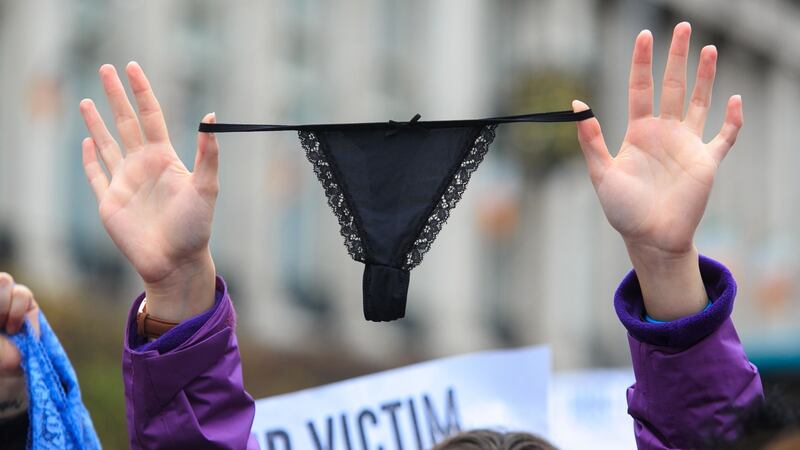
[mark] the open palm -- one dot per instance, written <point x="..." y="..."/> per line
<point x="655" y="190"/>
<point x="157" y="212"/>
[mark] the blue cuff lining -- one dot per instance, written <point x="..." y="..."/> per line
<point x="647" y="317"/>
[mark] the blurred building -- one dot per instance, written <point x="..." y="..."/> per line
<point x="526" y="257"/>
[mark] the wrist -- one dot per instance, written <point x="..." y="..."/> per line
<point x="671" y="284"/>
<point x="13" y="396"/>
<point x="187" y="291"/>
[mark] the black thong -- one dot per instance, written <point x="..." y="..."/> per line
<point x="392" y="186"/>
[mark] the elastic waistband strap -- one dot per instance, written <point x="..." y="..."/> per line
<point x="556" y="116"/>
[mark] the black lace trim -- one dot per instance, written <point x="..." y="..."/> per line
<point x="336" y="198"/>
<point x="450" y="198"/>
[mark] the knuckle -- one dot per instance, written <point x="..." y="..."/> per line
<point x="14" y="323"/>
<point x="5" y="279"/>
<point x="640" y="86"/>
<point x="211" y="189"/>
<point x="126" y="121"/>
<point x="105" y="210"/>
<point x="22" y="292"/>
<point x="701" y="102"/>
<point x="674" y="83"/>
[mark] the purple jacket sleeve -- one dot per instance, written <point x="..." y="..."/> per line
<point x="692" y="375"/>
<point x="185" y="389"/>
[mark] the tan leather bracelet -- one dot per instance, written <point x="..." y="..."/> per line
<point x="150" y="327"/>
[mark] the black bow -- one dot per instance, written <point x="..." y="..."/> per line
<point x="397" y="126"/>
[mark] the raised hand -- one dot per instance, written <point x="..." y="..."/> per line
<point x="655" y="190"/>
<point x="157" y="212"/>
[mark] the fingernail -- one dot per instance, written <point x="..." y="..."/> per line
<point x="578" y="106"/>
<point x="212" y="117"/>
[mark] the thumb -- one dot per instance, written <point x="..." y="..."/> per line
<point x="10" y="358"/>
<point x="724" y="140"/>
<point x="590" y="137"/>
<point x="206" y="163"/>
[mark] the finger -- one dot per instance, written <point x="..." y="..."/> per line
<point x="94" y="171"/>
<point x="21" y="300"/>
<point x="206" y="164"/>
<point x="124" y="116"/>
<point x="33" y="316"/>
<point x="590" y="136"/>
<point x="701" y="96"/>
<point x="10" y="358"/>
<point x="640" y="85"/>
<point x="6" y="287"/>
<point x="150" y="115"/>
<point x="724" y="140"/>
<point x="673" y="91"/>
<point x="109" y="149"/>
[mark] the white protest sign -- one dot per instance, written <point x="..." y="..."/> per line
<point x="413" y="407"/>
<point x="588" y="409"/>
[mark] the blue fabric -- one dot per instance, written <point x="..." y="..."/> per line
<point x="647" y="317"/>
<point x="57" y="417"/>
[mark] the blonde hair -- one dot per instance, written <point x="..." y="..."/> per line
<point x="494" y="440"/>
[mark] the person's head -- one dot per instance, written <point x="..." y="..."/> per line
<point x="770" y="425"/>
<point x="494" y="440"/>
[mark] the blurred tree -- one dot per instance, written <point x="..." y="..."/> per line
<point x="541" y="148"/>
